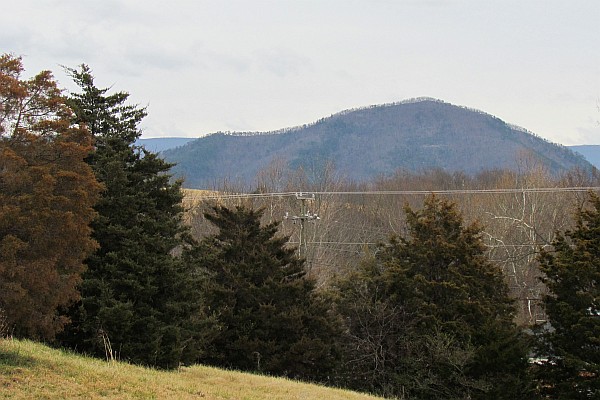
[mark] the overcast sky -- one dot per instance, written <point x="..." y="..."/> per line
<point x="203" y="66"/>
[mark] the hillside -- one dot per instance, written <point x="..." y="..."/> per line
<point x="33" y="371"/>
<point x="373" y="141"/>
<point x="590" y="152"/>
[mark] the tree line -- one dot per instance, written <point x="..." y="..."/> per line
<point x="98" y="255"/>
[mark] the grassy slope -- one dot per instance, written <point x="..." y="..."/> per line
<point x="30" y="370"/>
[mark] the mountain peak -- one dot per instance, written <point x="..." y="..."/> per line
<point x="366" y="142"/>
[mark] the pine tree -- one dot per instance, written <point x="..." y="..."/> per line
<point x="135" y="294"/>
<point x="446" y="309"/>
<point x="47" y="192"/>
<point x="570" y="344"/>
<point x="270" y="315"/>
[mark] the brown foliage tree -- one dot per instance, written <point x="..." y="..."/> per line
<point x="47" y="192"/>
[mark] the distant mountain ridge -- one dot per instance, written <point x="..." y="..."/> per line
<point x="591" y="152"/>
<point x="157" y="145"/>
<point x="373" y="141"/>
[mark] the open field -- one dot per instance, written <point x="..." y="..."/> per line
<point x="29" y="370"/>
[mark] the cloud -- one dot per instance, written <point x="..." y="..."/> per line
<point x="222" y="61"/>
<point x="281" y="62"/>
<point x="200" y="62"/>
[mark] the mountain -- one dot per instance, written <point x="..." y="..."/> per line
<point x="372" y="141"/>
<point x="590" y="152"/>
<point x="156" y="145"/>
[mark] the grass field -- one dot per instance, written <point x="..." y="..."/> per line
<point x="30" y="370"/>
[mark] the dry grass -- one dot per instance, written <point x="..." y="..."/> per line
<point x="191" y="197"/>
<point x="30" y="370"/>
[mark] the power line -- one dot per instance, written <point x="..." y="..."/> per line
<point x="343" y="243"/>
<point x="305" y="215"/>
<point x="491" y="246"/>
<point x="573" y="189"/>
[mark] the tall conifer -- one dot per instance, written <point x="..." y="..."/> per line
<point x="271" y="318"/>
<point x="135" y="294"/>
<point x="47" y="192"/>
<point x="570" y="343"/>
<point x="447" y="317"/>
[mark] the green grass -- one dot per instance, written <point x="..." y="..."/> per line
<point x="30" y="370"/>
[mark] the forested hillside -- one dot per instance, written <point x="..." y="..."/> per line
<point x="590" y="152"/>
<point x="370" y="142"/>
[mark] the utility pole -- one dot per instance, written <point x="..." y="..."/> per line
<point x="305" y="215"/>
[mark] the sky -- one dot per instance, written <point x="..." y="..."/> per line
<point x="202" y="66"/>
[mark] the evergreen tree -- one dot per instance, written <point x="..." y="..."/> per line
<point x="47" y="193"/>
<point x="570" y="344"/>
<point x="446" y="311"/>
<point x="271" y="318"/>
<point x="136" y="295"/>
